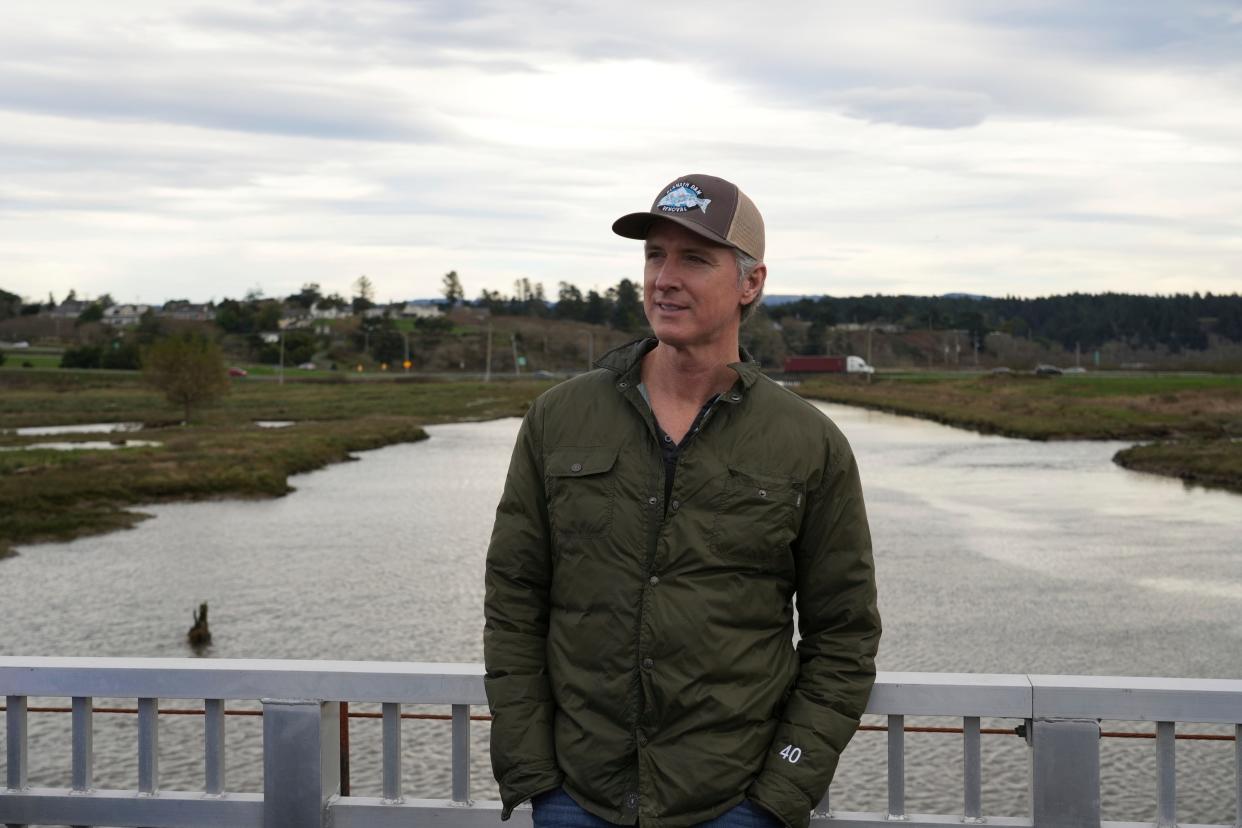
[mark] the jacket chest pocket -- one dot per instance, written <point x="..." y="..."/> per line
<point x="581" y="489"/>
<point x="756" y="517"/>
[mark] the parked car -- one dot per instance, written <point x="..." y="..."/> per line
<point x="237" y="372"/>
<point x="1045" y="370"/>
<point x="307" y="366"/>
<point x="1075" y="369"/>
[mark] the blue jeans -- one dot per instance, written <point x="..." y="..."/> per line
<point x="556" y="809"/>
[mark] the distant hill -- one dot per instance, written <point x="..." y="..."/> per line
<point x="773" y="299"/>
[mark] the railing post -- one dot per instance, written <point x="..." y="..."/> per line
<point x="461" y="754"/>
<point x="15" y="716"/>
<point x="301" y="762"/>
<point x="1065" y="773"/>
<point x="15" y="719"/>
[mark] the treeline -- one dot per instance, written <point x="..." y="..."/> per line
<point x="1177" y="322"/>
<point x="619" y="307"/>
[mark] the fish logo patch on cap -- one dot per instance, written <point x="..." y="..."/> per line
<point x="683" y="197"/>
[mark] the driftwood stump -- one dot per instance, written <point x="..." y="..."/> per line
<point x="200" y="634"/>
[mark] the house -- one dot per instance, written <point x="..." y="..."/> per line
<point x="329" y="312"/>
<point x="418" y="310"/>
<point x="189" y="311"/>
<point x="122" y="316"/>
<point x="69" y="309"/>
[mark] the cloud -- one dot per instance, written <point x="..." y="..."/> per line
<point x="218" y="101"/>
<point x="918" y="107"/>
<point x="1024" y="146"/>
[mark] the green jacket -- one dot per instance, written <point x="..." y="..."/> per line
<point x="643" y="657"/>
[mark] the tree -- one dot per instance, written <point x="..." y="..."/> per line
<point x="93" y="313"/>
<point x="188" y="369"/>
<point x="307" y="296"/>
<point x="569" y="303"/>
<point x="452" y="290"/>
<point x="364" y="294"/>
<point x="10" y="304"/>
<point x="627" y="313"/>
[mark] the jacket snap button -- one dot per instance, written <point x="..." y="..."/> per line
<point x="676" y="504"/>
<point x="623" y="385"/>
<point x="651" y="500"/>
<point x="653" y="580"/>
<point x="763" y="492"/>
<point x="576" y="467"/>
<point x="648" y="663"/>
<point x="735" y="397"/>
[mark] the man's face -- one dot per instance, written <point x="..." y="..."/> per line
<point x="690" y="290"/>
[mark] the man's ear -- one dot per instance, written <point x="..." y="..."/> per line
<point x="752" y="285"/>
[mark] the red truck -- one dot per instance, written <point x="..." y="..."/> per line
<point x="826" y="365"/>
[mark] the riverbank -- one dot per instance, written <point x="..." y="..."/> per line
<point x="53" y="494"/>
<point x="1194" y="419"/>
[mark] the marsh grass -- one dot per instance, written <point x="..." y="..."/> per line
<point x="1212" y="463"/>
<point x="1197" y="418"/>
<point x="48" y="495"/>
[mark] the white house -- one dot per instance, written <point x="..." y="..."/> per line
<point x="122" y="316"/>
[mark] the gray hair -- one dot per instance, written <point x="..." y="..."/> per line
<point x="745" y="266"/>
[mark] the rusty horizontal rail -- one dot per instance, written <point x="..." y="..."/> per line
<point x="443" y="717"/>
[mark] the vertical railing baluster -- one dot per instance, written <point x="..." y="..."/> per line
<point x="392" y="752"/>
<point x="83" y="737"/>
<point x="972" y="769"/>
<point x="896" y="767"/>
<point x="213" y="745"/>
<point x="83" y="745"/>
<point x="824" y="808"/>
<point x="1237" y="769"/>
<point x="15" y="721"/>
<point x="148" y="746"/>
<point x="461" y="753"/>
<point x="1166" y="775"/>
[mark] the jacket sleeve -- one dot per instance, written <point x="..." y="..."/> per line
<point x="515" y="608"/>
<point x="839" y="626"/>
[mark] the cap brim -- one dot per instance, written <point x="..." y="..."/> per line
<point x="637" y="225"/>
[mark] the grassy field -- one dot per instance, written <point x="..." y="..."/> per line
<point x="1216" y="463"/>
<point x="1197" y="418"/>
<point x="1088" y="407"/>
<point x="57" y="495"/>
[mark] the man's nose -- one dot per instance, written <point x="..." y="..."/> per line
<point x="668" y="277"/>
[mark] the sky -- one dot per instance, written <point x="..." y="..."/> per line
<point x="160" y="150"/>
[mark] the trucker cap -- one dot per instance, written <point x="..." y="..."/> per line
<point x="712" y="207"/>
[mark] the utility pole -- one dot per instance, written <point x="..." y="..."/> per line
<point x="487" y="371"/>
<point x="517" y="369"/>
<point x="282" y="356"/>
<point x="870" y="331"/>
<point x="406" y="362"/>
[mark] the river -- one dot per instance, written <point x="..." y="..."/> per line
<point x="993" y="555"/>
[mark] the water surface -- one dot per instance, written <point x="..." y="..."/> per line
<point x="993" y="555"/>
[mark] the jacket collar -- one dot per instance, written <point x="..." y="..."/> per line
<point x="625" y="359"/>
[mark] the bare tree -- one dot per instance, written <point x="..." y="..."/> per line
<point x="189" y="370"/>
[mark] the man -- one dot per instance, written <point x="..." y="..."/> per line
<point x="659" y="517"/>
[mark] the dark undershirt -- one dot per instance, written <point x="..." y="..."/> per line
<point x="671" y="450"/>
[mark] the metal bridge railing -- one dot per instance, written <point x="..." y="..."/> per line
<point x="301" y="709"/>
